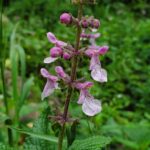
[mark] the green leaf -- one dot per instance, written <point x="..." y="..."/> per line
<point x="92" y="143"/>
<point x="43" y="137"/>
<point x="14" y="63"/>
<point x="71" y="132"/>
<point x="22" y="61"/>
<point x="25" y="92"/>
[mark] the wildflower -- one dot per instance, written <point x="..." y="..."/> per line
<point x="50" y="85"/>
<point x="90" y="106"/>
<point x="98" y="74"/>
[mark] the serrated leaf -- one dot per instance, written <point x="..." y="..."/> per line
<point x="92" y="143"/>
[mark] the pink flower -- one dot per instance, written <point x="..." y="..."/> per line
<point x="61" y="74"/>
<point x="90" y="106"/>
<point x="97" y="73"/>
<point x="50" y="85"/>
<point x="51" y="37"/>
<point x="66" y="18"/>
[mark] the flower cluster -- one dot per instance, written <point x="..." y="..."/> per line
<point x="90" y="105"/>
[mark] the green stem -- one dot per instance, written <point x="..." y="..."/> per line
<point x="73" y="77"/>
<point x="2" y="67"/>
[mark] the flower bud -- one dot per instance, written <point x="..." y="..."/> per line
<point x="103" y="50"/>
<point x="84" y="23"/>
<point x="66" y="55"/>
<point x="66" y="18"/>
<point x="55" y="52"/>
<point x="95" y="23"/>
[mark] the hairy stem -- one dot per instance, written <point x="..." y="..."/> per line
<point x="73" y="77"/>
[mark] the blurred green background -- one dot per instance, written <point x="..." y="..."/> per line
<point x="125" y="27"/>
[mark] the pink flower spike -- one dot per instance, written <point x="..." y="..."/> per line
<point x="55" y="52"/>
<point x="91" y="106"/>
<point x="49" y="60"/>
<point x="51" y="37"/>
<point x="103" y="50"/>
<point x="51" y="83"/>
<point x="99" y="74"/>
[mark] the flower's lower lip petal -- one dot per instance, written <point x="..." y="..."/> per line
<point x="99" y="74"/>
<point x="49" y="60"/>
<point x="91" y="107"/>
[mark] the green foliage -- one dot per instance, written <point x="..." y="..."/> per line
<point x="92" y="143"/>
<point x="125" y="27"/>
<point x="71" y="132"/>
<point x="35" y="135"/>
<point x="41" y="126"/>
<point x="133" y="136"/>
<point x="25" y="92"/>
<point x="6" y="147"/>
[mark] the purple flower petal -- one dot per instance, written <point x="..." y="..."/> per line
<point x="49" y="60"/>
<point x="91" y="107"/>
<point x="99" y="74"/>
<point x="51" y="37"/>
<point x="49" y="88"/>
